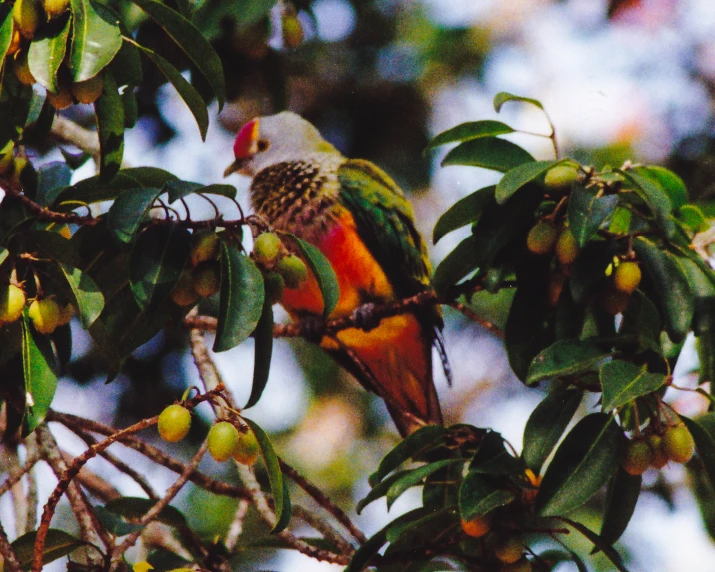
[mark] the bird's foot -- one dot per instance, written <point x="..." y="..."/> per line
<point x="312" y="328"/>
<point x="365" y="317"/>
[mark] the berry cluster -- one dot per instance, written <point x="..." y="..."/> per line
<point x="44" y="313"/>
<point x="202" y="276"/>
<point x="224" y="440"/>
<point x="675" y="443"/>
<point x="280" y="269"/>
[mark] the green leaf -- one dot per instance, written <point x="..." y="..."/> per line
<point x="5" y="29"/>
<point x="96" y="38"/>
<point x="654" y="196"/>
<point x="489" y="153"/>
<point x="133" y="508"/>
<point x="478" y="497"/>
<point x="422" y="529"/>
<point x="621" y="221"/>
<point x="623" y="493"/>
<point x="623" y="381"/>
<point x="186" y="91"/>
<point x="57" y="544"/>
<point x="129" y="210"/>
<point x="263" y="337"/>
<point x="88" y="298"/>
<point x="241" y="301"/>
<point x="642" y="320"/>
<point x="158" y="259"/>
<point x="287" y="511"/>
<point x="456" y="265"/>
<point x="45" y="56"/>
<point x="669" y="182"/>
<point x="4" y="253"/>
<point x="465" y="211"/>
<point x="492" y="458"/>
<point x="587" y="213"/>
<point x="114" y="523"/>
<point x="704" y="443"/>
<point x="585" y="461"/>
<point x="564" y="357"/>
<point x="503" y="96"/>
<point x="179" y="189"/>
<point x="422" y="440"/>
<point x="670" y="284"/>
<point x="275" y="476"/>
<point x="414" y="477"/>
<point x="38" y="364"/>
<point x="380" y="489"/>
<point x="109" y="110"/>
<point x="471" y="130"/>
<point x="15" y="101"/>
<point x="323" y="272"/>
<point x="546" y="424"/>
<point x="607" y="550"/>
<point x="127" y="66"/>
<point x="514" y="179"/>
<point x="188" y="39"/>
<point x="694" y="218"/>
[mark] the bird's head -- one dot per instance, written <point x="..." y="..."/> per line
<point x="272" y="139"/>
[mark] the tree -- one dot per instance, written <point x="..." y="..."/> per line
<point x="601" y="272"/>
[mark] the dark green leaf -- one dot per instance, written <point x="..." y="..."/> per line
<point x="15" y="101"/>
<point x="623" y="493"/>
<point x="129" y="210"/>
<point x="422" y="440"/>
<point x="109" y="110"/>
<point x="585" y="461"/>
<point x="88" y="299"/>
<point x="286" y="512"/>
<point x="323" y="272"/>
<point x="241" y="301"/>
<point x="654" y="196"/>
<point x="704" y="444"/>
<point x="114" y="523"/>
<point x="642" y="320"/>
<point x="671" y="285"/>
<point x="38" y="363"/>
<point x="471" y="130"/>
<point x="127" y="66"/>
<point x="414" y="477"/>
<point x="96" y="38"/>
<point x="133" y="508"/>
<point x="52" y="178"/>
<point x="275" y="476"/>
<point x="623" y="381"/>
<point x="478" y="497"/>
<point x="45" y="56"/>
<point x="587" y="213"/>
<point x="263" y="339"/>
<point x="611" y="554"/>
<point x="502" y="97"/>
<point x="191" y="42"/>
<point x="564" y="357"/>
<point x="554" y="557"/>
<point x="131" y="107"/>
<point x="465" y="211"/>
<point x="492" y="457"/>
<point x="158" y="259"/>
<point x="669" y="182"/>
<point x="57" y="544"/>
<point x="546" y="425"/>
<point x="5" y="28"/>
<point x="514" y="179"/>
<point x="186" y="91"/>
<point x="52" y="245"/>
<point x="489" y="153"/>
<point x="423" y="529"/>
<point x="179" y="189"/>
<point x="456" y="265"/>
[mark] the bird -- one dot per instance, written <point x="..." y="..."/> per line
<point x="361" y="221"/>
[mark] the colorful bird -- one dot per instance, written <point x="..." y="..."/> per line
<point x="361" y="221"/>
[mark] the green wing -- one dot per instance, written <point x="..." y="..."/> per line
<point x="386" y="225"/>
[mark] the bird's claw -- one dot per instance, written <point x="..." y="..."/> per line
<point x="365" y="317"/>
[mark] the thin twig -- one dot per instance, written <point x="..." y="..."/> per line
<point x="69" y="132"/>
<point x="14" y="477"/>
<point x="328" y="532"/>
<point x="8" y="554"/>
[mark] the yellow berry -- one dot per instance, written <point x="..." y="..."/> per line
<point x="636" y="458"/>
<point x="223" y="439"/>
<point x="55" y="7"/>
<point x="627" y="277"/>
<point x="476" y="527"/>
<point x="561" y="177"/>
<point x="511" y="550"/>
<point x="7" y="157"/>
<point x="266" y="248"/>
<point x="207" y="246"/>
<point x="45" y="315"/>
<point x="247" y="448"/>
<point x="26" y="14"/>
<point x="293" y="270"/>
<point x="12" y="303"/>
<point x="21" y="67"/>
<point x="566" y="248"/>
<point x="292" y="31"/>
<point x="541" y="238"/>
<point x="174" y="423"/>
<point x="18" y="166"/>
<point x="88" y="91"/>
<point x="206" y="279"/>
<point x="678" y="444"/>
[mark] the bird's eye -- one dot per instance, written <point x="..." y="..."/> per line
<point x="262" y="145"/>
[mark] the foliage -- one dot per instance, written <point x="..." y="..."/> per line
<point x="132" y="270"/>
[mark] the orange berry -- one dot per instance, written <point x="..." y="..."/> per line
<point x="476" y="527"/>
<point x="637" y="457"/>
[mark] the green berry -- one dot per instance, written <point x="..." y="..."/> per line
<point x="223" y="439"/>
<point x="627" y="277"/>
<point x="637" y="457"/>
<point x="266" y="248"/>
<point x="678" y="444"/>
<point x="561" y="177"/>
<point x="658" y="457"/>
<point x="511" y="550"/>
<point x="45" y="315"/>
<point x="206" y="279"/>
<point x="174" y="423"/>
<point x="207" y="246"/>
<point x="566" y="248"/>
<point x="247" y="448"/>
<point x="12" y="303"/>
<point x="541" y="238"/>
<point x="55" y="7"/>
<point x="275" y="286"/>
<point x="293" y="270"/>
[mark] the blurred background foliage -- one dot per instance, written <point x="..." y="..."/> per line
<point x="621" y="80"/>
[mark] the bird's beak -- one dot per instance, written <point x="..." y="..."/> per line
<point x="244" y="147"/>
